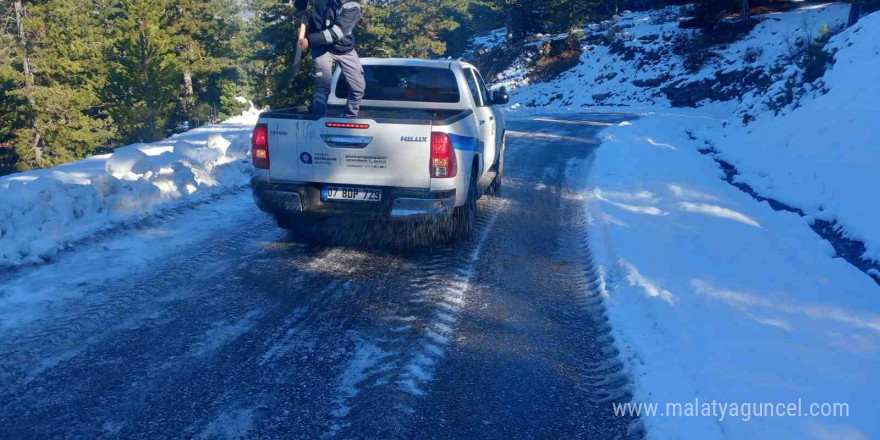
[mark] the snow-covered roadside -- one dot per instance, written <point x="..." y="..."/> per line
<point x="711" y="294"/>
<point x="714" y="296"/>
<point x="44" y="211"/>
<point x="818" y="155"/>
<point x="824" y="157"/>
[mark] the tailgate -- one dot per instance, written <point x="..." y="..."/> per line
<point x="373" y="154"/>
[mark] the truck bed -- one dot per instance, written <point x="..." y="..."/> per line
<point x="435" y="117"/>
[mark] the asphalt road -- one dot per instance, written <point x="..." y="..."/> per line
<point x="213" y="323"/>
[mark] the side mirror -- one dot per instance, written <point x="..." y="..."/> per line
<point x="500" y="98"/>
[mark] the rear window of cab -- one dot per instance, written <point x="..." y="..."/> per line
<point x="406" y="83"/>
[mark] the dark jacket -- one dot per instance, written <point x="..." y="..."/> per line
<point x="331" y="24"/>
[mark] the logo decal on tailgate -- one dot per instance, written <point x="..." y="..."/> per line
<point x="306" y="158"/>
<point x="413" y="139"/>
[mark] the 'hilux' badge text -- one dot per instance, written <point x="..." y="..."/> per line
<point x="413" y="139"/>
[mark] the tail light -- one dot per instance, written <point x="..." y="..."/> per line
<point x="260" y="146"/>
<point x="347" y="125"/>
<point x="443" y="162"/>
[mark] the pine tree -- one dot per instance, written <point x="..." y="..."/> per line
<point x="141" y="89"/>
<point x="12" y="78"/>
<point x="523" y="18"/>
<point x="59" y="51"/>
<point x="229" y="98"/>
<point x="526" y="17"/>
<point x="273" y="45"/>
<point x="473" y="17"/>
<point x="566" y="15"/>
<point x="71" y="71"/>
<point x="414" y="28"/>
<point x="143" y="82"/>
<point x="205" y="37"/>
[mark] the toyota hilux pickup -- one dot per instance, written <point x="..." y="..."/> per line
<point x="428" y="142"/>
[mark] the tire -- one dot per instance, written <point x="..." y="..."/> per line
<point x="461" y="225"/>
<point x="495" y="187"/>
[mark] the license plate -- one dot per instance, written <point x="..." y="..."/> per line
<point x="353" y="194"/>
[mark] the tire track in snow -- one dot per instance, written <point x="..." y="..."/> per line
<point x="605" y="380"/>
<point x="332" y="307"/>
<point x="391" y="371"/>
<point x="338" y="328"/>
<point x="294" y="340"/>
<point x="450" y="299"/>
<point x="280" y="363"/>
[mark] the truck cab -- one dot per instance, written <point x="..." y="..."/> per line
<point x="429" y="141"/>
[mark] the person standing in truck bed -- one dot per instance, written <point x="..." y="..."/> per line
<point x="329" y="34"/>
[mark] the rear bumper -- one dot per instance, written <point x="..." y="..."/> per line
<point x="397" y="203"/>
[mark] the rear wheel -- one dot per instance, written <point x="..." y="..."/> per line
<point x="463" y="217"/>
<point x="495" y="186"/>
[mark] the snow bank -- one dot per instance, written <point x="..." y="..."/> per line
<point x="43" y="211"/>
<point x="128" y="161"/>
<point x="824" y="157"/>
<point x="714" y="296"/>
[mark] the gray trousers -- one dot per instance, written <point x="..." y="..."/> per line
<point x="353" y="72"/>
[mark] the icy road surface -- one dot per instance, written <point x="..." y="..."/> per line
<point x="213" y="323"/>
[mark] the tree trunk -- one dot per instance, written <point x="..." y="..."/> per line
<point x="746" y="14"/>
<point x="855" y="10"/>
<point x="512" y="24"/>
<point x="29" y="77"/>
<point x="22" y="38"/>
<point x="143" y="52"/>
<point x="188" y="90"/>
<point x="519" y="21"/>
<point x="188" y="82"/>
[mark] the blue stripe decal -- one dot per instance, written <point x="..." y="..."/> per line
<point x="465" y="143"/>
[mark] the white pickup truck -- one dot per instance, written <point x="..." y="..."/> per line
<point x="427" y="144"/>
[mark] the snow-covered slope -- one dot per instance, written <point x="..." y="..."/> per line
<point x="644" y="58"/>
<point x="824" y="157"/>
<point x="43" y="211"/>
<point x="809" y="145"/>
<point x="715" y="297"/>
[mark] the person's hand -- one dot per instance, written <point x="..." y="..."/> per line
<point x="304" y="44"/>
